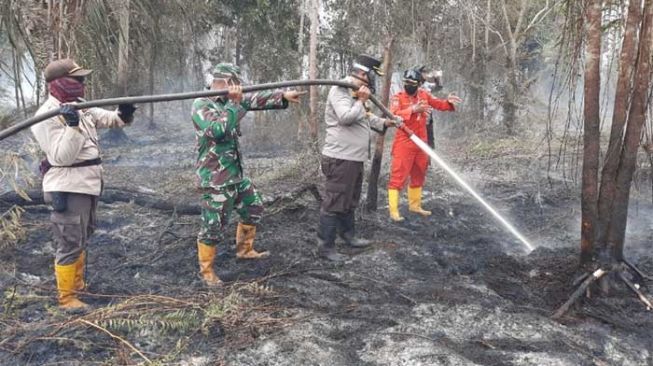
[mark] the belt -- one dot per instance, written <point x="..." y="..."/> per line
<point x="96" y="161"/>
<point x="45" y="164"/>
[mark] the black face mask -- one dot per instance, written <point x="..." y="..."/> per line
<point x="370" y="83"/>
<point x="410" y="89"/>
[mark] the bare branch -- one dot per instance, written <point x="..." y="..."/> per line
<point x="489" y="27"/>
<point x="541" y="15"/>
<point x="506" y="20"/>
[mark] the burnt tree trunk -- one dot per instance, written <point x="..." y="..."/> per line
<point x="636" y="119"/>
<point x="622" y="99"/>
<point x="373" y="181"/>
<point x="589" y="195"/>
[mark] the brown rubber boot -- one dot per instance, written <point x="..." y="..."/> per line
<point x="206" y="256"/>
<point x="245" y="243"/>
<point x="65" y="275"/>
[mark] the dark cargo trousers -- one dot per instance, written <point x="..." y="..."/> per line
<point x="72" y="227"/>
<point x="344" y="183"/>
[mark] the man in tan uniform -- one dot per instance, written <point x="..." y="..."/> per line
<point x="346" y="148"/>
<point x="72" y="179"/>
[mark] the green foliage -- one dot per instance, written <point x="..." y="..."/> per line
<point x="220" y="308"/>
<point x="267" y="35"/>
<point x="179" y="320"/>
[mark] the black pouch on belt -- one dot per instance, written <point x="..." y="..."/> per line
<point x="59" y="201"/>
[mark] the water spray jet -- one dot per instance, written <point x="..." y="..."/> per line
<point x="422" y="145"/>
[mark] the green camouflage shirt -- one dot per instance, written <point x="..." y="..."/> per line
<point x="216" y="130"/>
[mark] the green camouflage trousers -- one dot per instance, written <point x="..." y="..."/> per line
<point x="217" y="206"/>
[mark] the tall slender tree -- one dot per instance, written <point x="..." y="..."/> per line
<point x="312" y="62"/>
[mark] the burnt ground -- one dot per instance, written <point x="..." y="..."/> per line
<point x="450" y="289"/>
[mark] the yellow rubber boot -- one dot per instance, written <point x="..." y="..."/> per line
<point x="65" y="275"/>
<point x="80" y="285"/>
<point x="206" y="256"/>
<point x="245" y="243"/>
<point x="415" y="201"/>
<point x="393" y="205"/>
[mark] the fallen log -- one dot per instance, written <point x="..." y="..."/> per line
<point x="156" y="202"/>
<point x="109" y="195"/>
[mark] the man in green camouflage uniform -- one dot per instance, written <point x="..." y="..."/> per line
<point x="219" y="166"/>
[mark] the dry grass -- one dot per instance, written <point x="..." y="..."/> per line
<point x="14" y="173"/>
<point x="233" y="314"/>
<point x="11" y="230"/>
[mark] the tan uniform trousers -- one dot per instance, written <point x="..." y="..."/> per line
<point x="72" y="227"/>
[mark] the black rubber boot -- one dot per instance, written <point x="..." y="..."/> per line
<point x="326" y="238"/>
<point x="348" y="231"/>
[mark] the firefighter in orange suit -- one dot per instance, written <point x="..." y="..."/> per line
<point x="413" y="105"/>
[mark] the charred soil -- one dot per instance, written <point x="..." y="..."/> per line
<point x="450" y="289"/>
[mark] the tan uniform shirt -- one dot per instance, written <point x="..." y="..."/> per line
<point x="348" y="126"/>
<point x="65" y="146"/>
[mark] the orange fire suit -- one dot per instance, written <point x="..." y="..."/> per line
<point x="407" y="159"/>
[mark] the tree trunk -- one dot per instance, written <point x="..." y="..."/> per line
<point x="239" y="50"/>
<point x="373" y="181"/>
<point x="620" y="113"/>
<point x="510" y="88"/>
<point x="62" y="26"/>
<point x="118" y="135"/>
<point x="591" y="136"/>
<point x="636" y="119"/>
<point x="153" y="57"/>
<point x="477" y="88"/>
<point x="510" y="95"/>
<point x="300" y="52"/>
<point x="312" y="61"/>
<point x="123" y="45"/>
<point x="300" y="35"/>
<point x="488" y="18"/>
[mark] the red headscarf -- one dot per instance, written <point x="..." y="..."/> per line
<point x="66" y="89"/>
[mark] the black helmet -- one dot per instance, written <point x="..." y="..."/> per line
<point x="413" y="76"/>
<point x="371" y="67"/>
<point x="368" y="64"/>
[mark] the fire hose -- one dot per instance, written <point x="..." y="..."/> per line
<point x="284" y="84"/>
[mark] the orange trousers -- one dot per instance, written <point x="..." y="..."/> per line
<point x="408" y="161"/>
